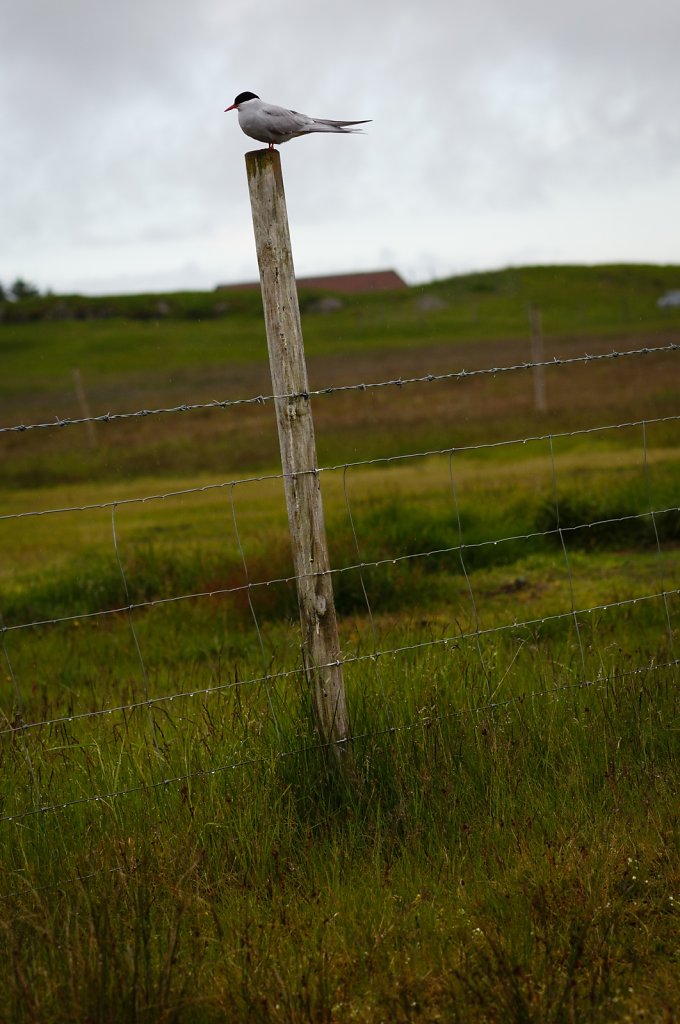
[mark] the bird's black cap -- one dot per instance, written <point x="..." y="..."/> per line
<point x="243" y="96"/>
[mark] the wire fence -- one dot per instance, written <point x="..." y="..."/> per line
<point x="429" y="378"/>
<point x="655" y="596"/>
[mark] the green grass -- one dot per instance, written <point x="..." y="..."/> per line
<point x="505" y="847"/>
<point x="128" y="364"/>
<point x="518" y="864"/>
<point x="582" y="301"/>
<point x="407" y="525"/>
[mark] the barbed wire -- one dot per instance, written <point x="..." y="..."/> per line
<point x="380" y="460"/>
<point x="251" y="585"/>
<point x="428" y="378"/>
<point x="129" y="607"/>
<point x="84" y="877"/>
<point x="423" y="721"/>
<point x="445" y="641"/>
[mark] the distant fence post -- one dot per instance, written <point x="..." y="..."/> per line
<point x="84" y="406"/>
<point x="538" y="357"/>
<point x="298" y="451"/>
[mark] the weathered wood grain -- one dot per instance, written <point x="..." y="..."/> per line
<point x="298" y="452"/>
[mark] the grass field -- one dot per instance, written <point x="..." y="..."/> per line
<point x="507" y="845"/>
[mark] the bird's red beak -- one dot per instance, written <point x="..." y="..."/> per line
<point x="232" y="107"/>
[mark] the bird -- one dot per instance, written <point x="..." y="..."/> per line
<point x="274" y="125"/>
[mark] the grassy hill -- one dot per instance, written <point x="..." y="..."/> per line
<point x="42" y="339"/>
<point x="506" y="850"/>
<point x="601" y="293"/>
<point x="135" y="352"/>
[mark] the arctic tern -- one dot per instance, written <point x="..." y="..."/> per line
<point x="274" y="125"/>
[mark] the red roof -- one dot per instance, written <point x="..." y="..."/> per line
<point x="365" y="281"/>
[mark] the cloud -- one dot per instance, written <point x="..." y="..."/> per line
<point x="117" y="153"/>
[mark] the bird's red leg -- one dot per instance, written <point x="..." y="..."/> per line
<point x="271" y="145"/>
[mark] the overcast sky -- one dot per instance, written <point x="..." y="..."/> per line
<point x="504" y="132"/>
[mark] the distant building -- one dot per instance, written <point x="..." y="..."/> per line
<point x="669" y="299"/>
<point x="366" y="281"/>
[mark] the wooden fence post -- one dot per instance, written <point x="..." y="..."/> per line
<point x="321" y="644"/>
<point x="84" y="406"/>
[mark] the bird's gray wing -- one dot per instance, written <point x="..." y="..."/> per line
<point x="287" y="122"/>
<point x="282" y="124"/>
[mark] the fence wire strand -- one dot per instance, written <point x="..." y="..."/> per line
<point x="423" y="721"/>
<point x="317" y="747"/>
<point x="358" y="566"/>
<point x="352" y="659"/>
<point x="428" y="378"/>
<point x="385" y="460"/>
<point x="268" y="679"/>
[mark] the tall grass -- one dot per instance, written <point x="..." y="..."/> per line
<point x="505" y="849"/>
<point x="517" y="863"/>
<point x="407" y="541"/>
<point x="505" y="845"/>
